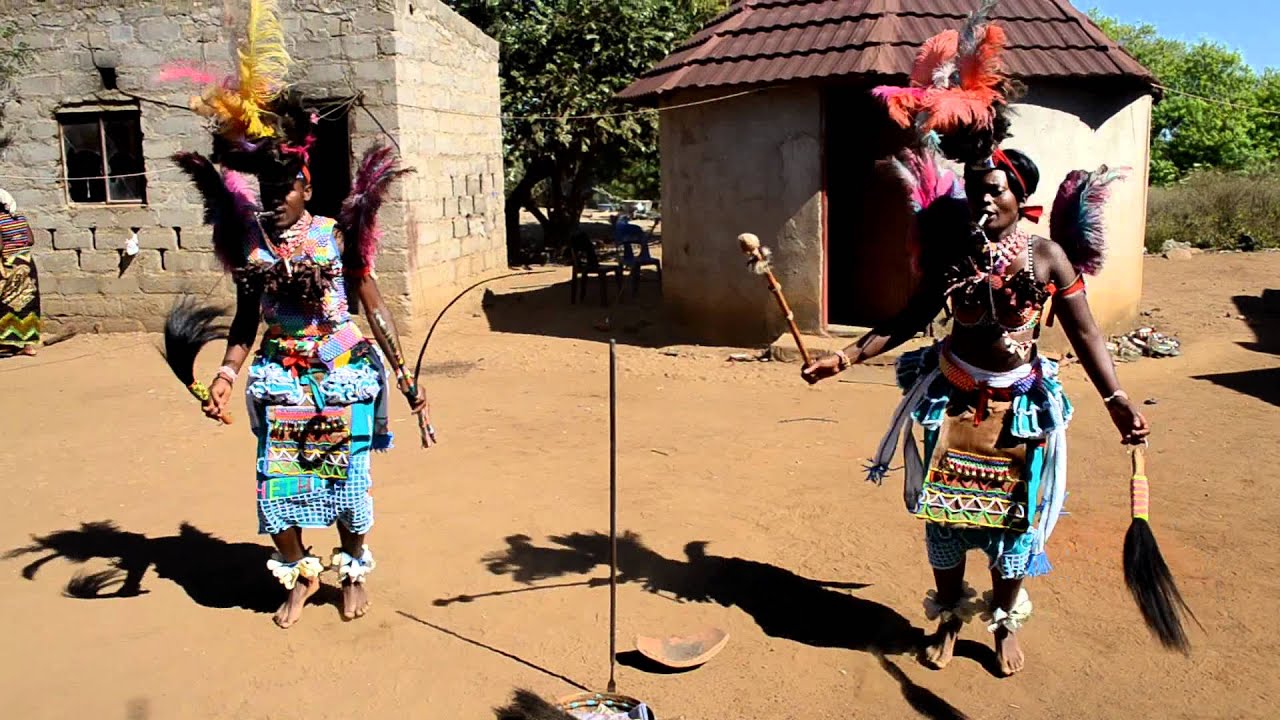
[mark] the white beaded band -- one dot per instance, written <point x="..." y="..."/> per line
<point x="1115" y="396"/>
<point x="228" y="373"/>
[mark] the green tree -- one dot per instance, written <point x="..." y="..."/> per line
<point x="565" y="59"/>
<point x="13" y="58"/>
<point x="1189" y="132"/>
<point x="1269" y="122"/>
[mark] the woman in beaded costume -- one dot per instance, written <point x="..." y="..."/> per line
<point x="317" y="388"/>
<point x="992" y="474"/>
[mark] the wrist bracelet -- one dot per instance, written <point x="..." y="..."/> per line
<point x="1115" y="396"/>
<point x="227" y="373"/>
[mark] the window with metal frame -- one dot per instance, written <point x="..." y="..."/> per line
<point x="102" y="156"/>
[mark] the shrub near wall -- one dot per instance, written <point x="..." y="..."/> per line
<point x="1212" y="209"/>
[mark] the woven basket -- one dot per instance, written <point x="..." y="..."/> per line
<point x="595" y="700"/>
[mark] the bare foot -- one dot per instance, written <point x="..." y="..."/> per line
<point x="29" y="351"/>
<point x="291" y="611"/>
<point x="938" y="654"/>
<point x="355" y="600"/>
<point x="1008" y="652"/>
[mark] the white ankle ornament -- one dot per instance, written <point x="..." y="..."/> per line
<point x="963" y="609"/>
<point x="1011" y="619"/>
<point x="289" y="572"/>
<point x="353" y="568"/>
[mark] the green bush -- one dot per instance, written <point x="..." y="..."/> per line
<point x="1211" y="209"/>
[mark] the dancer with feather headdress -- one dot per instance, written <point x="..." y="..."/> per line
<point x="992" y="474"/>
<point x="317" y="387"/>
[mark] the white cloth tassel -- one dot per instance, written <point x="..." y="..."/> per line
<point x="1053" y="476"/>
<point x="901" y="418"/>
<point x="914" y="482"/>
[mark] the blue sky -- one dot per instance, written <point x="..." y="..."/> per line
<point x="1251" y="28"/>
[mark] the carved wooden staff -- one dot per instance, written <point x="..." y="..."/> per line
<point x="758" y="261"/>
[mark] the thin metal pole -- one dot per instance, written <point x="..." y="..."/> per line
<point x="613" y="511"/>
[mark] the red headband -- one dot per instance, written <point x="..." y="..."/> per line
<point x="1002" y="161"/>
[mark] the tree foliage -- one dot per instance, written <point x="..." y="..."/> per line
<point x="13" y="59"/>
<point x="1229" y="131"/>
<point x="563" y="59"/>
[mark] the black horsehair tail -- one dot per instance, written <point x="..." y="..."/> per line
<point x="527" y="706"/>
<point x="188" y="328"/>
<point x="1153" y="588"/>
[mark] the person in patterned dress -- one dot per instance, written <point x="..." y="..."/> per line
<point x="317" y="388"/>
<point x="19" y="284"/>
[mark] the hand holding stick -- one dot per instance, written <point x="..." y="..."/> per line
<point x="758" y="261"/>
<point x="408" y="384"/>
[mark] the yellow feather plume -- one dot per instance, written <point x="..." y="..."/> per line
<point x="263" y="65"/>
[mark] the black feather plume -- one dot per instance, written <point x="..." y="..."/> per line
<point x="228" y="204"/>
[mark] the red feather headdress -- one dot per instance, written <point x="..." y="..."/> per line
<point x="956" y="83"/>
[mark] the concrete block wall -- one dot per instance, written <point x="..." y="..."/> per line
<point x="447" y="93"/>
<point x="369" y="46"/>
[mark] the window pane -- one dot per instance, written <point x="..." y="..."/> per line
<point x="82" y="153"/>
<point x="124" y="156"/>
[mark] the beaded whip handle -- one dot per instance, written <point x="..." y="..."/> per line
<point x="201" y="393"/>
<point x="1139" y="493"/>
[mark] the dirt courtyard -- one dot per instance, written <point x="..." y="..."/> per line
<point x="144" y="593"/>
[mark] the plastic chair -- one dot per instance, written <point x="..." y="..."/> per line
<point x="586" y="262"/>
<point x="629" y="237"/>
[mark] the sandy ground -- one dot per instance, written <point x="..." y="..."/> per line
<point x="740" y="489"/>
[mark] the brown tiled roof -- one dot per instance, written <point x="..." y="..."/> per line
<point x="775" y="41"/>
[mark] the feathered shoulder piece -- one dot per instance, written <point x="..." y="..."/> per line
<point x="358" y="218"/>
<point x="229" y="206"/>
<point x="956" y="79"/>
<point x="1077" y="220"/>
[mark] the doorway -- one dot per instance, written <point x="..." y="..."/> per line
<point x="330" y="156"/>
<point x="868" y="271"/>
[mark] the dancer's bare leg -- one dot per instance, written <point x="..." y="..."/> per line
<point x="1004" y="593"/>
<point x="355" y="599"/>
<point x="289" y="544"/>
<point x="950" y="586"/>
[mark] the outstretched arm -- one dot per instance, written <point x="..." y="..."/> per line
<point x="923" y="307"/>
<point x="1071" y="306"/>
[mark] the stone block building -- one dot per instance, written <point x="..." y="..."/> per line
<point x="93" y="133"/>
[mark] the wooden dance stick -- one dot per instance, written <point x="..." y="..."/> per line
<point x="758" y="261"/>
